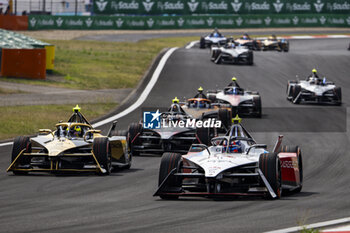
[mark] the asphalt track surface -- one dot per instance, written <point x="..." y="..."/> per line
<point x="123" y="202"/>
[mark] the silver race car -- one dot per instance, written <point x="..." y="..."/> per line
<point x="230" y="53"/>
<point x="314" y="90"/>
<point x="214" y="38"/>
<point x="243" y="102"/>
<point x="234" y="165"/>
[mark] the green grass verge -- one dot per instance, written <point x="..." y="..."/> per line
<point x="27" y="120"/>
<point x="99" y="65"/>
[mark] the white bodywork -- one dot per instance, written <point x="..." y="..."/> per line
<point x="215" y="40"/>
<point x="234" y="52"/>
<point x="217" y="161"/>
<point x="317" y="89"/>
<point x="234" y="100"/>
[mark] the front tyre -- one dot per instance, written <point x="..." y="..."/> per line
<point x="168" y="163"/>
<point x="19" y="144"/>
<point x="102" y="151"/>
<point x="270" y="166"/>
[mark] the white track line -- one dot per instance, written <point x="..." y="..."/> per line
<point x="313" y="226"/>
<point x="139" y="101"/>
<point x="144" y="94"/>
<point x="190" y="45"/>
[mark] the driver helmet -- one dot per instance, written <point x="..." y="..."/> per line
<point x="314" y="71"/>
<point x="235" y="147"/>
<point x="233" y="45"/>
<point x="234" y="90"/>
<point x="216" y="34"/>
<point x="201" y="104"/>
<point x="76" y="131"/>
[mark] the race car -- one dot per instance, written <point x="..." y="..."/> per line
<point x="233" y="165"/>
<point x="314" y="90"/>
<point x="214" y="38"/>
<point x="176" y="132"/>
<point x="75" y="146"/>
<point x="200" y="107"/>
<point x="273" y="43"/>
<point x="250" y="43"/>
<point x="243" y="102"/>
<point x="230" y="53"/>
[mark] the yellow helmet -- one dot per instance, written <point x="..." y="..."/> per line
<point x="176" y="100"/>
<point x="234" y="79"/>
<point x="76" y="108"/>
<point x="200" y="89"/>
<point x="77" y="128"/>
<point x="314" y="71"/>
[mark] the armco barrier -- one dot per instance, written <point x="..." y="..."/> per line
<point x="23" y="63"/>
<point x="186" y="22"/>
<point x="188" y="7"/>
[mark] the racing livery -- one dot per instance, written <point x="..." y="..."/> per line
<point x="274" y="43"/>
<point x="170" y="136"/>
<point x="230" y="53"/>
<point x="234" y="165"/>
<point x="250" y="43"/>
<point x="243" y="102"/>
<point x="75" y="146"/>
<point x="313" y="90"/>
<point x="214" y="38"/>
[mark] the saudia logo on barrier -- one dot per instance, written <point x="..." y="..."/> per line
<point x="278" y="6"/>
<point x="120" y="5"/>
<point x="153" y="120"/>
<point x="101" y="5"/>
<point x="148" y="5"/>
<point x="193" y="5"/>
<point x="236" y="5"/>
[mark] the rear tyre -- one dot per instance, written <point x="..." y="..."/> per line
<point x="257" y="106"/>
<point x="225" y="117"/>
<point x="168" y="163"/>
<point x="250" y="59"/>
<point x="297" y="150"/>
<point x="202" y="43"/>
<point x="102" y="151"/>
<point x="134" y="131"/>
<point x="204" y="135"/>
<point x="270" y="166"/>
<point x="21" y="143"/>
<point x="337" y="92"/>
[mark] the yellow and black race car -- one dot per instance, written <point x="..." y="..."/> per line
<point x="75" y="146"/>
<point x="274" y="43"/>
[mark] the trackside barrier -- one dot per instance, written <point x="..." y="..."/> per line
<point x="13" y="22"/>
<point x="37" y="22"/>
<point x="23" y="63"/>
<point x="189" y="7"/>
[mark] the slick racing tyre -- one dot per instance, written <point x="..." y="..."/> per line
<point x="102" y="151"/>
<point x="21" y="143"/>
<point x="134" y="131"/>
<point x="257" y="106"/>
<point x="225" y="118"/>
<point x="297" y="150"/>
<point x="202" y="43"/>
<point x="250" y="58"/>
<point x="205" y="135"/>
<point x="168" y="163"/>
<point x="337" y="92"/>
<point x="270" y="166"/>
<point x="295" y="92"/>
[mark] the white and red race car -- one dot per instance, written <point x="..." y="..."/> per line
<point x="243" y="102"/>
<point x="234" y="165"/>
